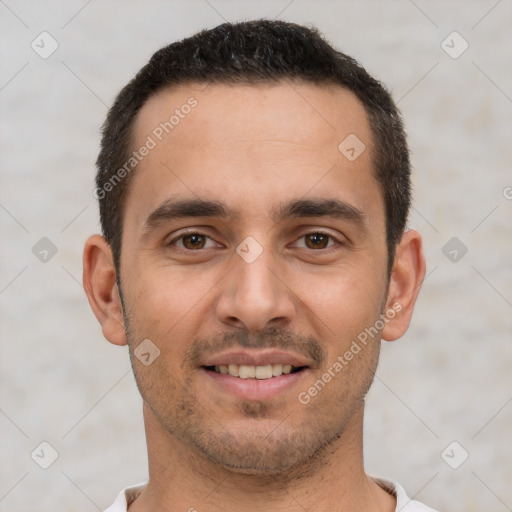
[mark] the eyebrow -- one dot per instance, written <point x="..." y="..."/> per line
<point x="175" y="209"/>
<point x="320" y="208"/>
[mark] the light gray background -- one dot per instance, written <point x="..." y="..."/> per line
<point x="447" y="380"/>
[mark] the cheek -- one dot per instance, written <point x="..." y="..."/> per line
<point x="166" y="302"/>
<point x="342" y="304"/>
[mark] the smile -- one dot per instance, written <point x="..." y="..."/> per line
<point x="262" y="372"/>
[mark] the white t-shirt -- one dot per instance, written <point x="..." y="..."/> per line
<point x="403" y="503"/>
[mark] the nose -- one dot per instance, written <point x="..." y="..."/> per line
<point x="255" y="295"/>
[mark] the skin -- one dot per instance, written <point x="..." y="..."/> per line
<point x="254" y="148"/>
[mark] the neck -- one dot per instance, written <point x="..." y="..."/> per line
<point x="180" y="478"/>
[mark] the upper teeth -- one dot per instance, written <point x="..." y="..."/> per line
<point x="254" y="372"/>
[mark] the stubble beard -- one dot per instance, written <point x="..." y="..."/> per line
<point x="279" y="447"/>
<point x="275" y="446"/>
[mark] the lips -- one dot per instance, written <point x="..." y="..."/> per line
<point x="255" y="374"/>
<point x="254" y="388"/>
<point x="263" y="357"/>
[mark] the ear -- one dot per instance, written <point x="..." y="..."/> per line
<point x="100" y="285"/>
<point x="406" y="279"/>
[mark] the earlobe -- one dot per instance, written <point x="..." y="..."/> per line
<point x="405" y="283"/>
<point x="99" y="279"/>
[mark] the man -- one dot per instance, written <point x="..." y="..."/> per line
<point x="254" y="186"/>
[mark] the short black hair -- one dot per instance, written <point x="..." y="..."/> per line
<point x="253" y="52"/>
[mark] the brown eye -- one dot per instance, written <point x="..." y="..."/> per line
<point x="316" y="240"/>
<point x="194" y="241"/>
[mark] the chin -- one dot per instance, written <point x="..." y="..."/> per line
<point x="256" y="467"/>
<point x="265" y="453"/>
<point x="260" y="471"/>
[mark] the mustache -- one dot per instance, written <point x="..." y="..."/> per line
<point x="267" y="338"/>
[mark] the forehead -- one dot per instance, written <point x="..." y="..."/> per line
<point x="252" y="144"/>
<point x="239" y="112"/>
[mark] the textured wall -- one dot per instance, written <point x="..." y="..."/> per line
<point x="447" y="380"/>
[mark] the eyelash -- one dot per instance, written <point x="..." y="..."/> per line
<point x="315" y="232"/>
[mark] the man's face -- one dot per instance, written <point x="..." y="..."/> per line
<point x="289" y="273"/>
